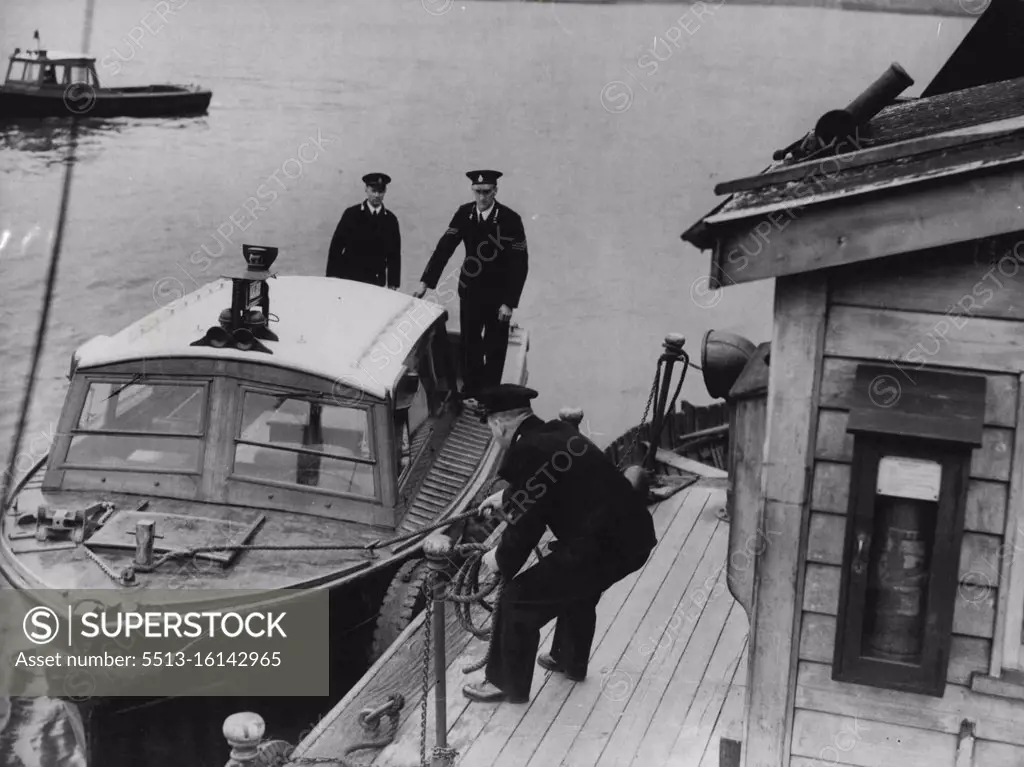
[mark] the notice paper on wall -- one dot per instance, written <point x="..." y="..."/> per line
<point x="909" y="478"/>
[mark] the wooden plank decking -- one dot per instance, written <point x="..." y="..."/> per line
<point x="666" y="680"/>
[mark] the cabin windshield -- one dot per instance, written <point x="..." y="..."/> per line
<point x="298" y="441"/>
<point x="139" y="425"/>
<point x="51" y="73"/>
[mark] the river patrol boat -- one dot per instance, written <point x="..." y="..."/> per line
<point x="43" y="83"/>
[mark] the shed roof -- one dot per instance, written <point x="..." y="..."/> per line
<point x="919" y="174"/>
<point x="356" y="334"/>
<point x="910" y="142"/>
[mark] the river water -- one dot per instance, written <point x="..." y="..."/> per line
<point x="612" y="124"/>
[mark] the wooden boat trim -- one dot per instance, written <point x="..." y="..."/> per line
<point x="471" y="479"/>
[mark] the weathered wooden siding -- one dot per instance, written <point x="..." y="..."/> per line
<point x="793" y="377"/>
<point x="747" y="432"/>
<point x="903" y="314"/>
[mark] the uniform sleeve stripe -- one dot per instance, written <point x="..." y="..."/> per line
<point x="452" y="230"/>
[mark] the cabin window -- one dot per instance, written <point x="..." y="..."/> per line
<point x="412" y="409"/>
<point x="298" y="441"/>
<point x="139" y="425"/>
<point x="28" y="73"/>
<point x="81" y="75"/>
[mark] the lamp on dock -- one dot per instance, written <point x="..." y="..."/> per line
<point x="723" y="356"/>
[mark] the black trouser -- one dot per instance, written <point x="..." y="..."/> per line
<point x="484" y="344"/>
<point x="561" y="587"/>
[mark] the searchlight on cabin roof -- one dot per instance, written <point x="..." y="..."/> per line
<point x="243" y="324"/>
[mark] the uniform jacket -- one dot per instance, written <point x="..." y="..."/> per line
<point x="559" y="479"/>
<point x="494" y="271"/>
<point x="367" y="247"/>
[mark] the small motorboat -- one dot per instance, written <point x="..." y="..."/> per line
<point x="314" y="457"/>
<point x="42" y="83"/>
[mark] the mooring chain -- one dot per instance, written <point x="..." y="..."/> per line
<point x="445" y="753"/>
<point x="643" y="419"/>
<point x="427" y="615"/>
<point x="124" y="578"/>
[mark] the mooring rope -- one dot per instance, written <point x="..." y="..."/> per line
<point x="51" y="282"/>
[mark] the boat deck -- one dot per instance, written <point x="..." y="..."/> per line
<point x="666" y="680"/>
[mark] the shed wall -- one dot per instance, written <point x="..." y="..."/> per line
<point x="957" y="313"/>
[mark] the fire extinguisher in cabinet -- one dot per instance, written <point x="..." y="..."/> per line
<point x="898" y="579"/>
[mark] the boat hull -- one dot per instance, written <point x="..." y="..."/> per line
<point x="143" y="101"/>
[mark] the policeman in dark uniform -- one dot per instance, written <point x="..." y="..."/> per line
<point x="491" y="281"/>
<point x="367" y="244"/>
<point x="558" y="479"/>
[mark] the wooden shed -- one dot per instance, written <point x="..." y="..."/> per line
<point x="881" y="471"/>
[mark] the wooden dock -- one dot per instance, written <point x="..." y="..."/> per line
<point x="666" y="680"/>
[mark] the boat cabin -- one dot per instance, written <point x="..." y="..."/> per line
<point x="326" y="418"/>
<point x="41" y="69"/>
<point x="878" y="440"/>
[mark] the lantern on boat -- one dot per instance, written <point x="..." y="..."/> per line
<point x="245" y="321"/>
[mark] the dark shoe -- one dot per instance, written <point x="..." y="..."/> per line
<point x="485" y="692"/>
<point x="544" y="660"/>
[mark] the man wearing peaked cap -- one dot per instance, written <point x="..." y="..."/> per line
<point x="491" y="280"/>
<point x="503" y="398"/>
<point x="558" y="480"/>
<point x="367" y="243"/>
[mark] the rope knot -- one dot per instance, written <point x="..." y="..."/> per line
<point x="369" y="718"/>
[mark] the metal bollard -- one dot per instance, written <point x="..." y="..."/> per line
<point x="243" y="732"/>
<point x="438" y="547"/>
<point x="573" y="415"/>
<point x="145" y="537"/>
<point x="673" y="353"/>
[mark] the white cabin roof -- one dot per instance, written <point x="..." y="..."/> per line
<point x="356" y="334"/>
<point x="44" y="56"/>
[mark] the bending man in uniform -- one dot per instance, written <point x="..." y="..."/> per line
<point x="558" y="480"/>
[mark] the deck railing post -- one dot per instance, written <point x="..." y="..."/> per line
<point x="243" y="732"/>
<point x="438" y="548"/>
